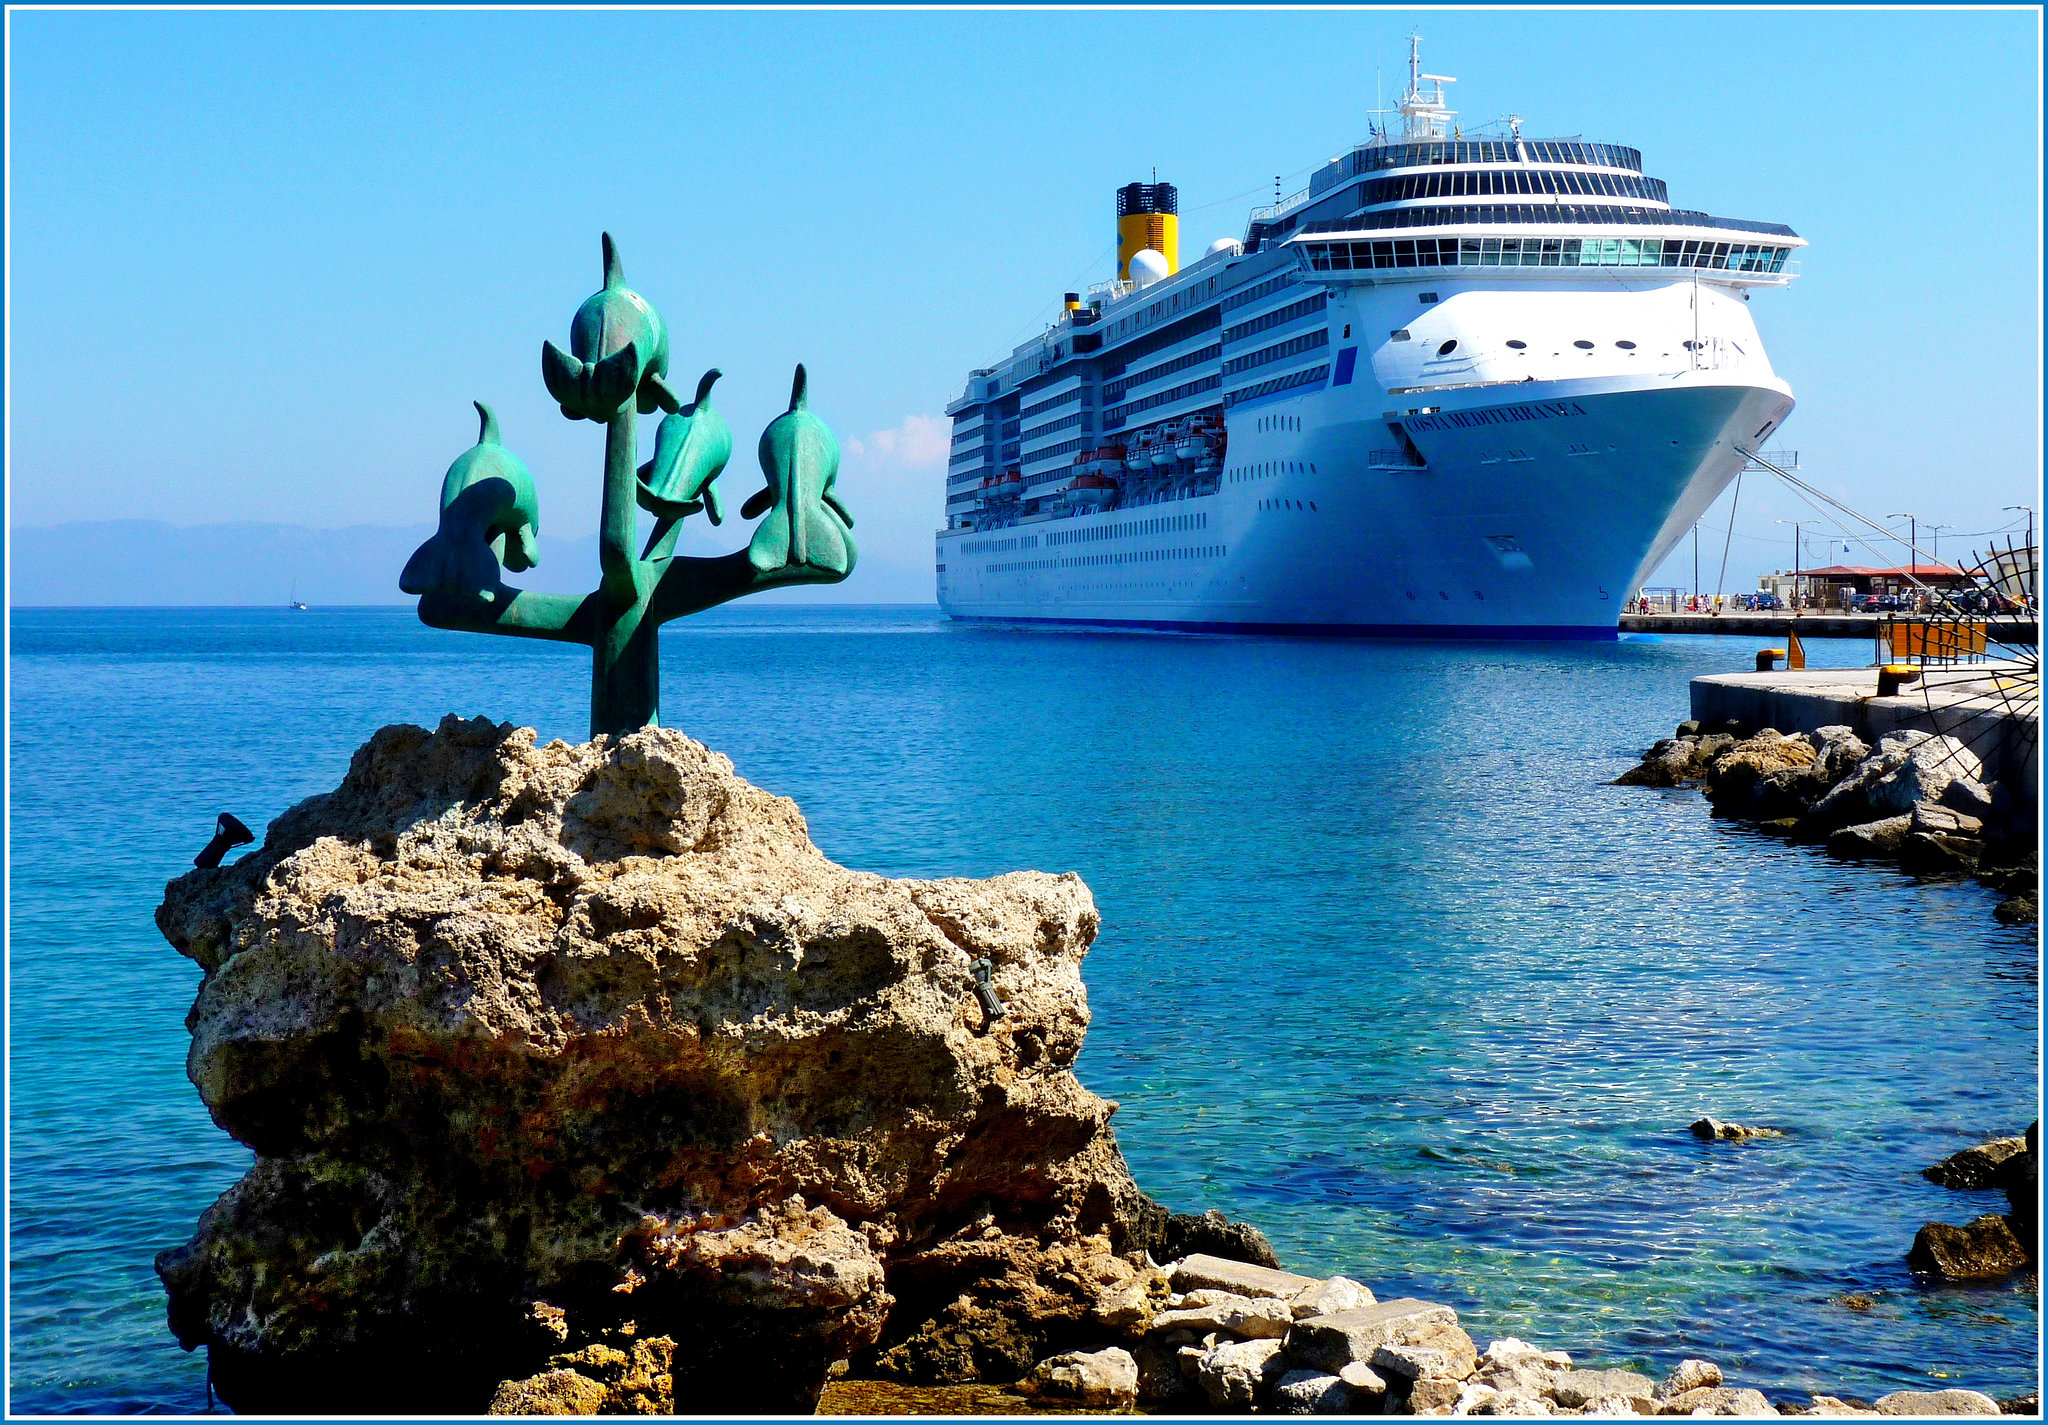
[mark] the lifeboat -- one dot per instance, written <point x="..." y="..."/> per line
<point x="1200" y="440"/>
<point x="1008" y="486"/>
<point x="1091" y="490"/>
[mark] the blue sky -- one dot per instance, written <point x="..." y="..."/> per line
<point x="262" y="262"/>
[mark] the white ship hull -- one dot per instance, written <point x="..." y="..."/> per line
<point x="1442" y="414"/>
<point x="1546" y="543"/>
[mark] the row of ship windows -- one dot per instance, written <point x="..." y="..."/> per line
<point x="1452" y="215"/>
<point x="1066" y="423"/>
<point x="1266" y="423"/>
<point x="1065" y="398"/>
<point x="1113" y="419"/>
<point x="1543" y="252"/>
<point x="1504" y="182"/>
<point x="1115" y="391"/>
<point x="1415" y="155"/>
<point x="1279" y="316"/>
<point x="1164" y="307"/>
<point x="1124" y="529"/>
<point x="1117" y="362"/>
<point x="999" y="546"/>
<point x="1128" y="556"/>
<point x="1278" y="504"/>
<point x="1306" y="377"/>
<point x="1280" y="352"/>
<point x="1261" y="469"/>
<point x="1252" y="294"/>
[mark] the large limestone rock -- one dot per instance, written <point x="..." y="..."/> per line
<point x="539" y="1047"/>
<point x="1907" y="767"/>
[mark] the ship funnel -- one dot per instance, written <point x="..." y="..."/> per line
<point x="1073" y="301"/>
<point x="1147" y="216"/>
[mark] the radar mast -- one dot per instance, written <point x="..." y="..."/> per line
<point x="1424" y="116"/>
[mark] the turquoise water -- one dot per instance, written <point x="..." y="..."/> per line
<point x="1385" y="967"/>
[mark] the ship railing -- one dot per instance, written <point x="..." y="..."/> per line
<point x="1291" y="201"/>
<point x="1782" y="459"/>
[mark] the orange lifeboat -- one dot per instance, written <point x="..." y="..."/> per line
<point x="1091" y="490"/>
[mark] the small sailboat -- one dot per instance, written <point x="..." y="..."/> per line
<point x="295" y="604"/>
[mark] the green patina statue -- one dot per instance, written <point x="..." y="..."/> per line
<point x="616" y="369"/>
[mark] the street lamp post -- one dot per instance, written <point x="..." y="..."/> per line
<point x="1912" y="543"/>
<point x="1796" y="524"/>
<point x="2030" y="549"/>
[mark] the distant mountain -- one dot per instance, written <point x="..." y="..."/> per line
<point x="146" y="563"/>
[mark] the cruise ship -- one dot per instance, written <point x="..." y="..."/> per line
<point x="1459" y="386"/>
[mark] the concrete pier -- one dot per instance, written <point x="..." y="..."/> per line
<point x="2002" y="630"/>
<point x="1993" y="708"/>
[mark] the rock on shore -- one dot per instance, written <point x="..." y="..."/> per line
<point x="1229" y="1338"/>
<point x="1917" y="800"/>
<point x="578" y="1078"/>
<point x="1994" y="1244"/>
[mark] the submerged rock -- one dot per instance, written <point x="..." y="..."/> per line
<point x="535" y="1043"/>
<point x="1981" y="1250"/>
<point x="1212" y="1234"/>
<point x="1871" y="840"/>
<point x="1976" y="1168"/>
<point x="1732" y="1132"/>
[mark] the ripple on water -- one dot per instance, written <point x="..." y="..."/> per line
<point x="1385" y="967"/>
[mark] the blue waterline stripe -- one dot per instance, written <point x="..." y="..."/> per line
<point x="1516" y="633"/>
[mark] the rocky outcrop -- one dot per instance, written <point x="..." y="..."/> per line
<point x="1715" y="1128"/>
<point x="1993" y="1245"/>
<point x="579" y="1078"/>
<point x="1917" y="800"/>
<point x="1978" y="1168"/>
<point x="1977" y="1251"/>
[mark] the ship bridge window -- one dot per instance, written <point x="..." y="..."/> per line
<point x="1399" y="334"/>
<point x="1519" y="345"/>
<point x="1448" y="347"/>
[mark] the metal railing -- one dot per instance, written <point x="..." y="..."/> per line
<point x="1291" y="201"/>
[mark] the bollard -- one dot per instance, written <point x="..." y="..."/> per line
<point x="227" y="832"/>
<point x="985" y="988"/>
<point x="1894" y="676"/>
<point x="1767" y="659"/>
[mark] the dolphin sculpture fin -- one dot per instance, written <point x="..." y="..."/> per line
<point x="655" y="392"/>
<point x="563" y="374"/>
<point x="612" y="380"/>
<point x="756" y="503"/>
<point x="487" y="430"/>
<point x="614" y="270"/>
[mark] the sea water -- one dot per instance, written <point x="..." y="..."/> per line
<point x="1386" y="966"/>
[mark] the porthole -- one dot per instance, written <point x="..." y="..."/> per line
<point x="1519" y="345"/>
<point x="1626" y="345"/>
<point x="1448" y="347"/>
<point x="1583" y="345"/>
